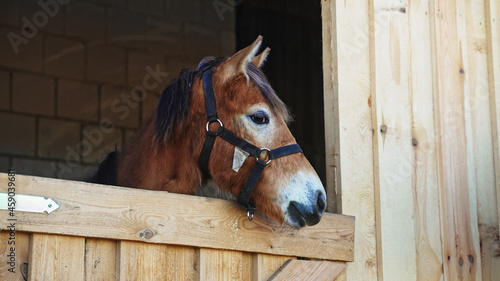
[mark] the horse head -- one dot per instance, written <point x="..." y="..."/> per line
<point x="249" y="129"/>
<point x="288" y="189"/>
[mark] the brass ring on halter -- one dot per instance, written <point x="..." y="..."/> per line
<point x="250" y="216"/>
<point x="268" y="155"/>
<point x="209" y="122"/>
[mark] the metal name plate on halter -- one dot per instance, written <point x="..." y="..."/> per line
<point x="28" y="203"/>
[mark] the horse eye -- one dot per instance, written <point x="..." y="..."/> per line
<point x="259" y="118"/>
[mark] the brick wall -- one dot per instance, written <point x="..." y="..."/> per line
<point x="77" y="78"/>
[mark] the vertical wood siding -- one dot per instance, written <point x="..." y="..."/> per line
<point x="413" y="91"/>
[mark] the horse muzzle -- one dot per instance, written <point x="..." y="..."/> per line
<point x="302" y="199"/>
<point x="301" y="214"/>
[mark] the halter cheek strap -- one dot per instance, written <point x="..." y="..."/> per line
<point x="252" y="150"/>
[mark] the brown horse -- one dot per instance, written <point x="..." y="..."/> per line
<point x="249" y="118"/>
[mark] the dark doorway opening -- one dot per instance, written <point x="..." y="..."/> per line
<point x="292" y="29"/>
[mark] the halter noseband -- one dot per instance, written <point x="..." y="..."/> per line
<point x="252" y="150"/>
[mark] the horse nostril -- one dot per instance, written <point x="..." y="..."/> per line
<point x="321" y="203"/>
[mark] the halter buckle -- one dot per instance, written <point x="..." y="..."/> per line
<point x="268" y="156"/>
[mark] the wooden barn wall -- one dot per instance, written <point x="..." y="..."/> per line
<point x="412" y="111"/>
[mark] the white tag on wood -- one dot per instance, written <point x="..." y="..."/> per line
<point x="239" y="158"/>
<point x="27" y="203"/>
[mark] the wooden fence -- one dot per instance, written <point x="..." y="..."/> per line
<point x="412" y="113"/>
<point x="113" y="233"/>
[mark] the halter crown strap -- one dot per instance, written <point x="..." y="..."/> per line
<point x="206" y="151"/>
<point x="252" y="150"/>
<point x="208" y="88"/>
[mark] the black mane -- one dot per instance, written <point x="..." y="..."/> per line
<point x="174" y="102"/>
<point x="106" y="173"/>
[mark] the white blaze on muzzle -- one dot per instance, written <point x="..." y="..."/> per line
<point x="303" y="189"/>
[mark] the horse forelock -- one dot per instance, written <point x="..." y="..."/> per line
<point x="260" y="80"/>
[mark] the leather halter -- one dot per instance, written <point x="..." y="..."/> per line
<point x="252" y="150"/>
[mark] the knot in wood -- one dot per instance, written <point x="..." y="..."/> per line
<point x="146" y="234"/>
<point x="383" y="129"/>
<point x="414" y="141"/>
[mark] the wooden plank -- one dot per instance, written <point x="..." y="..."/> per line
<point x="308" y="270"/>
<point x="489" y="234"/>
<point x="490" y="250"/>
<point x="351" y="133"/>
<point x="460" y="236"/>
<point x="481" y="161"/>
<point x="159" y="217"/>
<point x="264" y="266"/>
<point x="100" y="259"/>
<point x="247" y="266"/>
<point x="56" y="257"/>
<point x="219" y="265"/>
<point x="492" y="22"/>
<point x="391" y="104"/>
<point x="14" y="255"/>
<point x="330" y="109"/>
<point x="181" y="263"/>
<point x="139" y="261"/>
<point x="425" y="159"/>
<point x="342" y="276"/>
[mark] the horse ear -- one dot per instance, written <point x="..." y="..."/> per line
<point x="239" y="61"/>
<point x="260" y="59"/>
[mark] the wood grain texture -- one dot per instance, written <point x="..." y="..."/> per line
<point x="349" y="132"/>
<point x="434" y="79"/>
<point x="21" y="251"/>
<point x="247" y="266"/>
<point x="425" y="159"/>
<point x="460" y="235"/>
<point x="264" y="266"/>
<point x="492" y="23"/>
<point x="477" y="112"/>
<point x="489" y="234"/>
<point x="219" y="265"/>
<point x="139" y="261"/>
<point x="490" y="251"/>
<point x="392" y="145"/>
<point x="100" y="259"/>
<point x="181" y="263"/>
<point x="56" y="257"/>
<point x="342" y="276"/>
<point x="159" y="217"/>
<point x="308" y="270"/>
<point x="330" y="109"/>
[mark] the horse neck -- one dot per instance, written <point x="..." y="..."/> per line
<point x="171" y="166"/>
